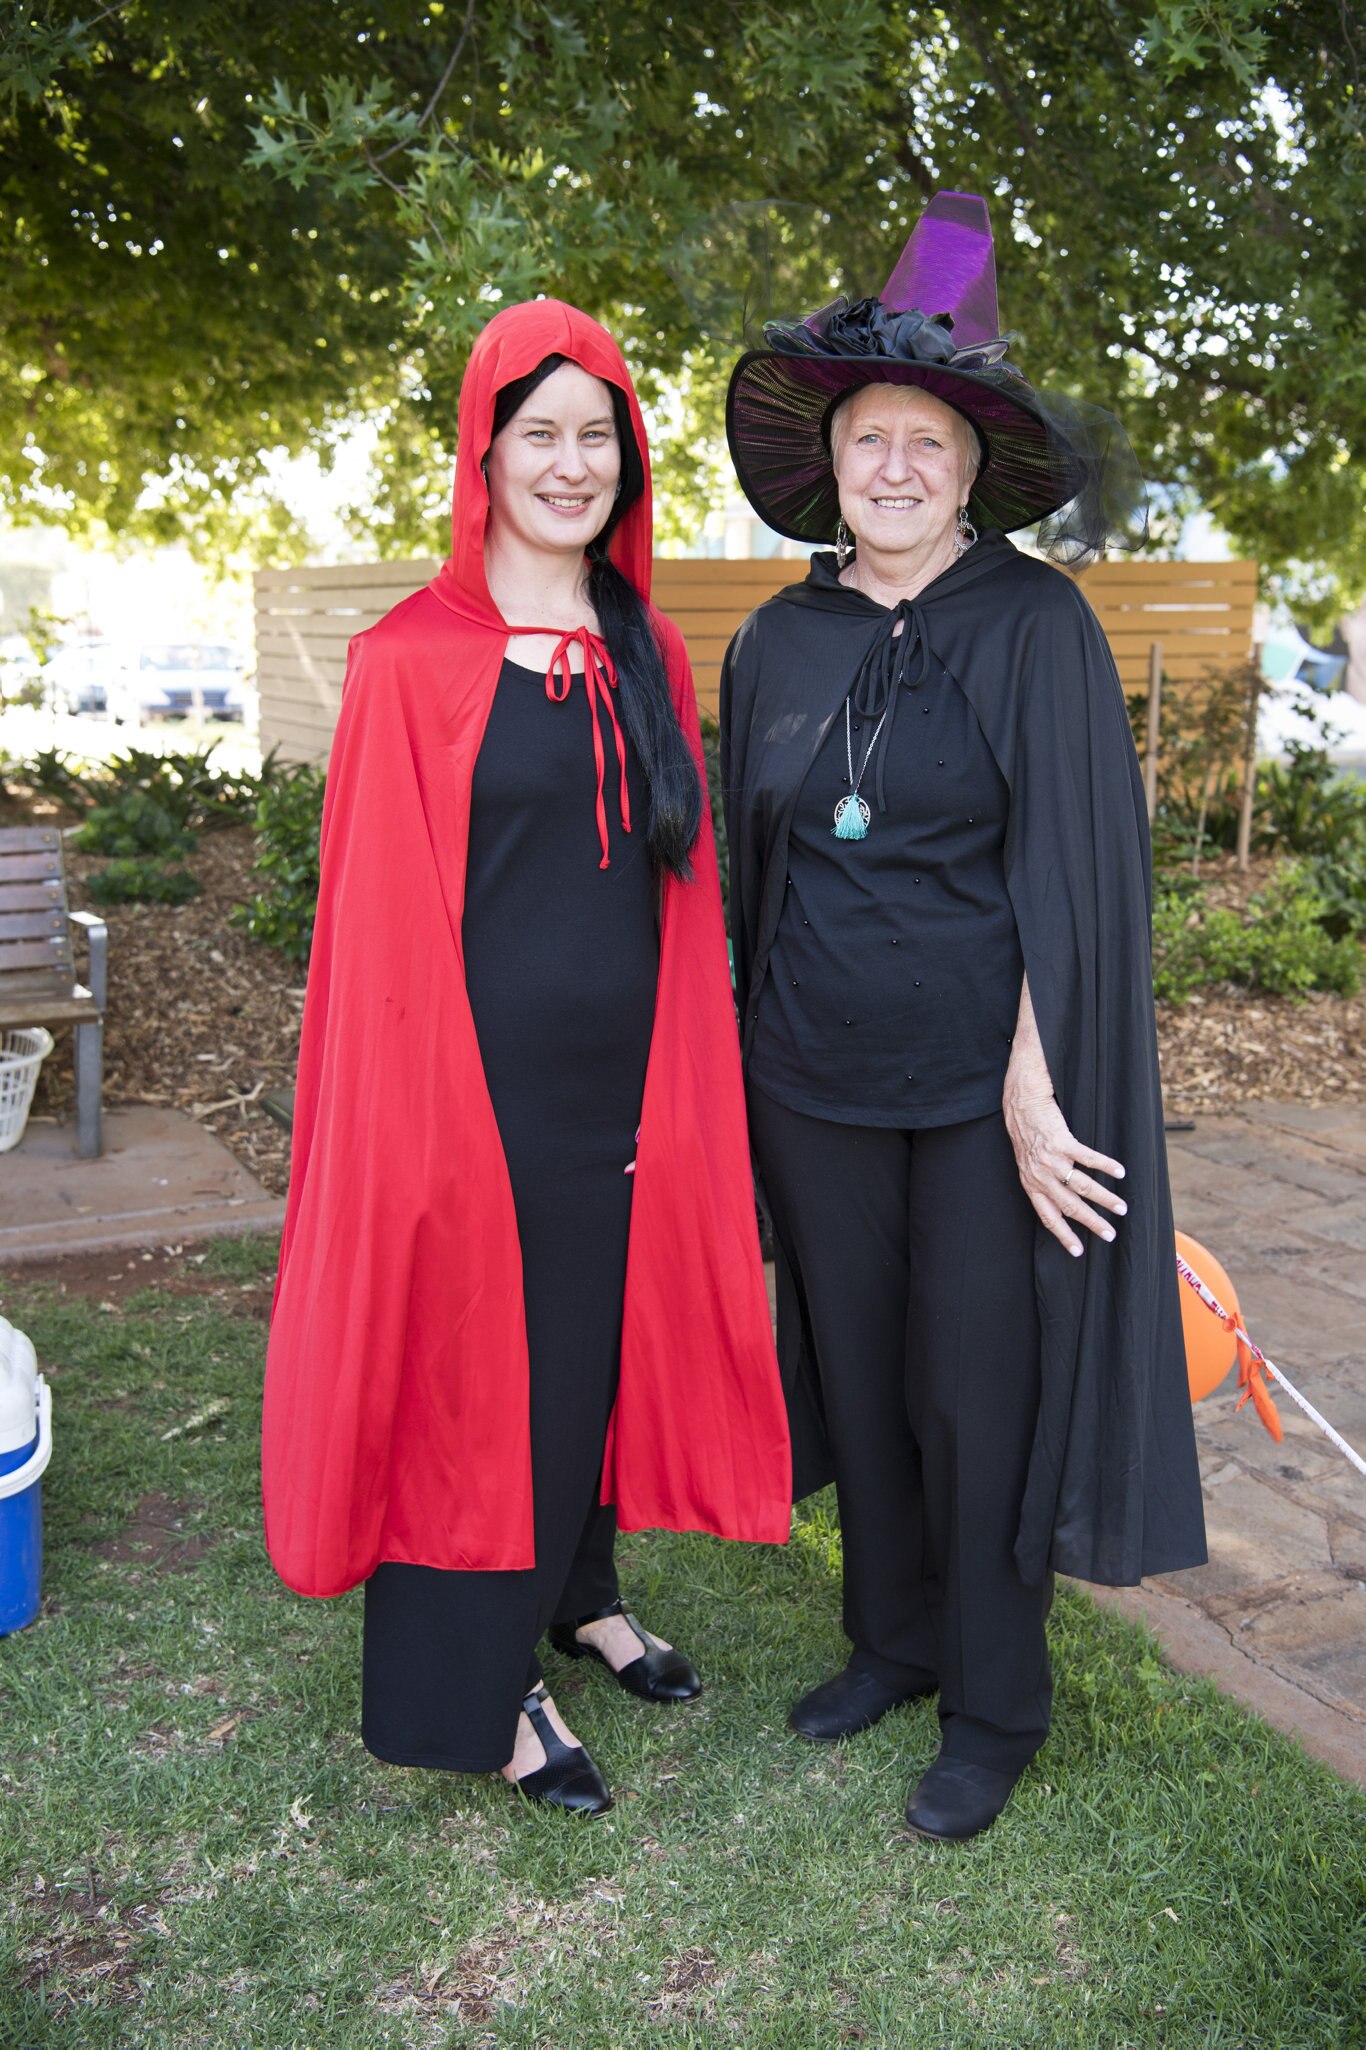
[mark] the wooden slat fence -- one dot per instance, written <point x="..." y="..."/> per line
<point x="1200" y="612"/>
<point x="304" y="619"/>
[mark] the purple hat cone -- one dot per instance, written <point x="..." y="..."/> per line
<point x="949" y="267"/>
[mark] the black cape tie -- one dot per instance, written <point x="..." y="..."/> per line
<point x="899" y="655"/>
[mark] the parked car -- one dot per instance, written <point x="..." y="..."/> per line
<point x="78" y="677"/>
<point x="180" y="679"/>
<point x="18" y="667"/>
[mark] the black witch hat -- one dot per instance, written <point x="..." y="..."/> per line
<point x="1047" y="458"/>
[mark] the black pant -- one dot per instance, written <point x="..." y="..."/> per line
<point x="914" y="1252"/>
<point x="448" y="1656"/>
<point x="445" y="1662"/>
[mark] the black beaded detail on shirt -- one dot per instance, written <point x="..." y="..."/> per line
<point x="841" y="1014"/>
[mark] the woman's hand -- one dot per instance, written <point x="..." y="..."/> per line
<point x="1056" y="1171"/>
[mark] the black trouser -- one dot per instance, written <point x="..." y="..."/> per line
<point x="448" y="1656"/>
<point x="445" y="1662"/>
<point x="914" y="1252"/>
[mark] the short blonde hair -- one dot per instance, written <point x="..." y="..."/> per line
<point x="839" y="421"/>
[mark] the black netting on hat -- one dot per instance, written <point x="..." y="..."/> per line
<point x="1109" y="507"/>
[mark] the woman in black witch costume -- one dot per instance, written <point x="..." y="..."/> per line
<point x="940" y="900"/>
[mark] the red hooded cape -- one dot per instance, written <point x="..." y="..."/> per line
<point x="396" y="1407"/>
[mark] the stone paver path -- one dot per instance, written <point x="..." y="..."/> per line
<point x="1278" y="1193"/>
<point x="161" y="1178"/>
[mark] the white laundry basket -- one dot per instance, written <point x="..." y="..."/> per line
<point x="22" y="1053"/>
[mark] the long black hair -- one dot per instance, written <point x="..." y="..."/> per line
<point x="647" y="706"/>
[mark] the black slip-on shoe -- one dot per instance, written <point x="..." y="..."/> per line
<point x="851" y="1702"/>
<point x="957" y="1799"/>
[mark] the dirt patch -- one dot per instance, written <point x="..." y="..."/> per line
<point x="113" y="1277"/>
<point x="499" y="1968"/>
<point x="1231" y="1046"/>
<point x="1227" y="1046"/>
<point x="155" y="1538"/>
<point x="468" y="1990"/>
<point x="692" y="1972"/>
<point x="84" y="1955"/>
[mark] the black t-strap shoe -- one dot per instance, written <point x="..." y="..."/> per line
<point x="569" y="1779"/>
<point x="657" y="1675"/>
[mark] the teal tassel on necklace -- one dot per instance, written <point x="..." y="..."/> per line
<point x="852" y="815"/>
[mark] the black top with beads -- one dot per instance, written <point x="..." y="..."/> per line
<point x="894" y="979"/>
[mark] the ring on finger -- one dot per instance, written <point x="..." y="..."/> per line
<point x="1070" y="1172"/>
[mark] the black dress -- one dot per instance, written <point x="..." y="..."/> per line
<point x="561" y="965"/>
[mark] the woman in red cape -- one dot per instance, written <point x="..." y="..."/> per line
<point x="520" y="1301"/>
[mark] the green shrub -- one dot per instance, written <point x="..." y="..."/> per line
<point x="187" y="785"/>
<point x="52" y="773"/>
<point x="1178" y="960"/>
<point x="142" y="880"/>
<point x="288" y="824"/>
<point x="1306" y="805"/>
<point x="1341" y="882"/>
<point x="1281" y="946"/>
<point x="131" y="824"/>
<point x="1286" y="948"/>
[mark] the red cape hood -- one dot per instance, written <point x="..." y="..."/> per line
<point x="396" y="1415"/>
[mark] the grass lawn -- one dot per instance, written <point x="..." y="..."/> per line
<point x="197" y="1851"/>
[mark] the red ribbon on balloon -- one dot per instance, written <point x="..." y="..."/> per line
<point x="1213" y="1329"/>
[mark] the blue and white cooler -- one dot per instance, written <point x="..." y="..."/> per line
<point x="25" y="1449"/>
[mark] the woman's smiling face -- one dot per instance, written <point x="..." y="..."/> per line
<point x="553" y="471"/>
<point x="904" y="463"/>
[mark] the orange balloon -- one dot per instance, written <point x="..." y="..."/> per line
<point x="1210" y="1346"/>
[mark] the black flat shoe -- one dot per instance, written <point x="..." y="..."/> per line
<point x="851" y="1702"/>
<point x="957" y="1800"/>
<point x="655" y="1676"/>
<point x="568" y="1779"/>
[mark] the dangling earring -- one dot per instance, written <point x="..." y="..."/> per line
<point x="844" y="543"/>
<point x="964" y="534"/>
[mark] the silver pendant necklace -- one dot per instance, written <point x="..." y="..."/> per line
<point x="852" y="814"/>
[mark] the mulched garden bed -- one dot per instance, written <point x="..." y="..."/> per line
<point x="200" y="1017"/>
<point x="204" y="1019"/>
<point x="1225" y="1046"/>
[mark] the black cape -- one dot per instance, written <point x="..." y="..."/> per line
<point x="1113" y="1490"/>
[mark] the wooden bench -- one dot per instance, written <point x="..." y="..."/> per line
<point x="38" y="983"/>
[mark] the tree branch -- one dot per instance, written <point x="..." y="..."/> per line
<point x="909" y="160"/>
<point x="425" y="116"/>
<point x="1030" y="135"/>
<point x="372" y="163"/>
<point x="979" y="37"/>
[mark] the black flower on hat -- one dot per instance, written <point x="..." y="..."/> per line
<point x="865" y="328"/>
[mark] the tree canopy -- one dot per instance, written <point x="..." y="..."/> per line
<point x="233" y="226"/>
